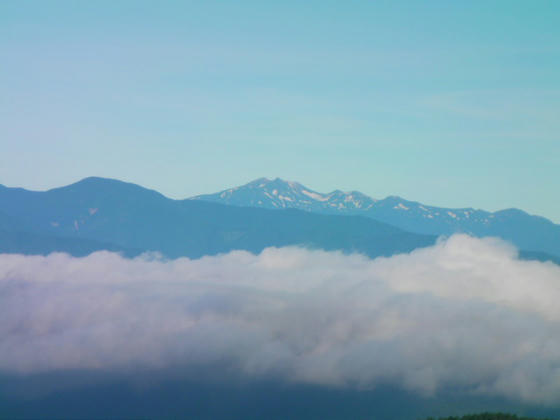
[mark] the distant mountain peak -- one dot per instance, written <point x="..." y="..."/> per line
<point x="95" y="184"/>
<point x="278" y="193"/>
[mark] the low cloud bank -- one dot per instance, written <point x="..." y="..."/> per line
<point x="464" y="314"/>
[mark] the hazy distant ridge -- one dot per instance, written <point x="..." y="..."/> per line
<point x="98" y="213"/>
<point x="131" y="218"/>
<point x="524" y="230"/>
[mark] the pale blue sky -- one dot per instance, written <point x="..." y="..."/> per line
<point x="448" y="103"/>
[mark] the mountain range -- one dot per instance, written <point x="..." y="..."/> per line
<point x="98" y="213"/>
<point x="132" y="219"/>
<point x="516" y="226"/>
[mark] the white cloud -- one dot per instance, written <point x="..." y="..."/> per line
<point x="463" y="314"/>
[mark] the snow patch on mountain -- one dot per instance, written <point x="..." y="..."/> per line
<point x="315" y="196"/>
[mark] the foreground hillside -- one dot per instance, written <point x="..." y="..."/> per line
<point x="487" y="416"/>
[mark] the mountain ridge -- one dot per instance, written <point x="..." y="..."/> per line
<point x="515" y="225"/>
<point x="126" y="216"/>
<point x="132" y="217"/>
<point x="353" y="197"/>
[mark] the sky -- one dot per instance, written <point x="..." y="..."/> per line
<point x="452" y="104"/>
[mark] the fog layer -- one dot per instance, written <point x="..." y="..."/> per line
<point x="464" y="314"/>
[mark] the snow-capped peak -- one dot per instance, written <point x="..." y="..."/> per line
<point x="278" y="193"/>
<point x="409" y="215"/>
